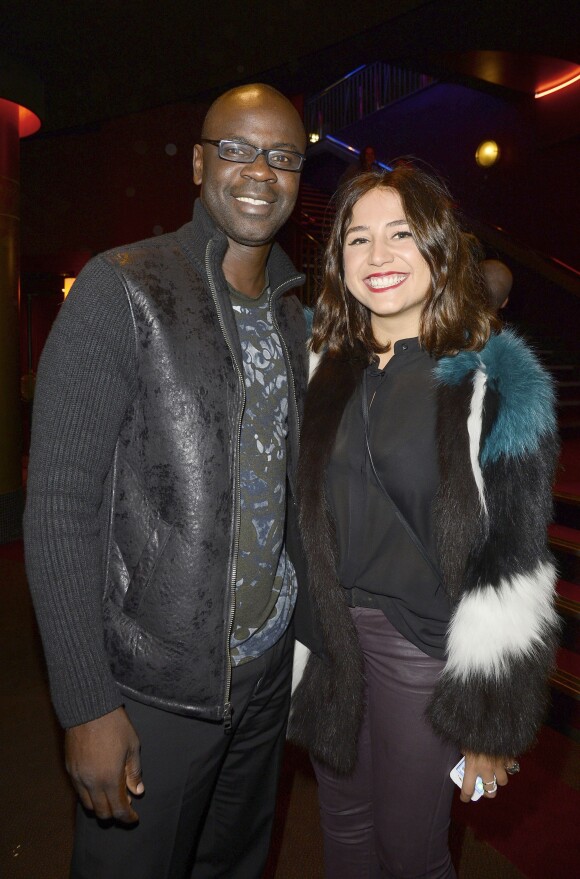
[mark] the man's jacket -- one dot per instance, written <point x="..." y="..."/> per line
<point x="169" y="501"/>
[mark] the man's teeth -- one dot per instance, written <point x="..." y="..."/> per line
<point x="385" y="281"/>
<point x="251" y="200"/>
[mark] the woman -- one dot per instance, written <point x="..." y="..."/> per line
<point x="427" y="459"/>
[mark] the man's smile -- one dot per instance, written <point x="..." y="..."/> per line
<point x="249" y="200"/>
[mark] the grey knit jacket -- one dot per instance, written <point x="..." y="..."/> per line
<point x="132" y="513"/>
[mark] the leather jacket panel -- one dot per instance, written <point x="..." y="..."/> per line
<point x="174" y="506"/>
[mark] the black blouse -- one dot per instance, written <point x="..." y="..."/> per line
<point x="379" y="564"/>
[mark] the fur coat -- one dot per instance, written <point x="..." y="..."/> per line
<point x="497" y="447"/>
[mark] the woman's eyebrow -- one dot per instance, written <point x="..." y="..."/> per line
<point x="402" y="222"/>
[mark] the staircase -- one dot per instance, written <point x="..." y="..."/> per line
<point x="304" y="237"/>
<point x="564" y="537"/>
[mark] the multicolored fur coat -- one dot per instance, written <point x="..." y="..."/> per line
<point x="497" y="446"/>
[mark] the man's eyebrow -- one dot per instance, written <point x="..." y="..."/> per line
<point x="281" y="145"/>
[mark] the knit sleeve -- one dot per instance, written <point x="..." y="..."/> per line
<point x="502" y="636"/>
<point x="86" y="382"/>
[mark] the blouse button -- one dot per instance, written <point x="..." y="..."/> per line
<point x="404" y="347"/>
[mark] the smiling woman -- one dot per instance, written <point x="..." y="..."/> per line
<point x="424" y="485"/>
<point x="384" y="269"/>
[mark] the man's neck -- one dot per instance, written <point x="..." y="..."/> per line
<point x="245" y="267"/>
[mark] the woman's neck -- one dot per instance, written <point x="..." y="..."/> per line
<point x="390" y="331"/>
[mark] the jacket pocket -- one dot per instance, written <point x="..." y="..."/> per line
<point x="145" y="567"/>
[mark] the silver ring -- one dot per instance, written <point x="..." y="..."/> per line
<point x="493" y="781"/>
<point x="493" y="789"/>
<point x="513" y="769"/>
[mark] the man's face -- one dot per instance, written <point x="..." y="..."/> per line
<point x="249" y="202"/>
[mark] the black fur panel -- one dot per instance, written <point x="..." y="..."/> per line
<point x="519" y="502"/>
<point x="328" y="704"/>
<point x="496" y="716"/>
<point x="456" y="512"/>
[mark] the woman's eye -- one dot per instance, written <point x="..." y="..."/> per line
<point x="403" y="234"/>
<point x="357" y="241"/>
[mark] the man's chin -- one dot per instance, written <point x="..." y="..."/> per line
<point x="252" y="237"/>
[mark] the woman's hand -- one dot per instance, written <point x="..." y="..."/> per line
<point x="491" y="770"/>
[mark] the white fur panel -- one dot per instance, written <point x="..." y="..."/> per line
<point x="474" y="425"/>
<point x="492" y="625"/>
<point x="301" y="654"/>
<point x="313" y="361"/>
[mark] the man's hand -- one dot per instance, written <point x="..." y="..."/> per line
<point x="102" y="759"/>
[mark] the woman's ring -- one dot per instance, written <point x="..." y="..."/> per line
<point x="493" y="784"/>
<point x="515" y="767"/>
<point x="486" y="788"/>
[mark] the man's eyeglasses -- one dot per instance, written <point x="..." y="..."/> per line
<point x="234" y="151"/>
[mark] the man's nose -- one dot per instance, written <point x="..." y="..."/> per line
<point x="259" y="169"/>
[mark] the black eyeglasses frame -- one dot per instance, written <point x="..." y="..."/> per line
<point x="259" y="152"/>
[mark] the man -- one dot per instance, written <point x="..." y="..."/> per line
<point x="158" y="546"/>
<point x="499" y="280"/>
<point x="367" y="161"/>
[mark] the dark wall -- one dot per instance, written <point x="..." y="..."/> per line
<point x="86" y="191"/>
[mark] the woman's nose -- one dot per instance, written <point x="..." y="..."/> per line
<point x="381" y="253"/>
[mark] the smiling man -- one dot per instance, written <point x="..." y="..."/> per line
<point x="159" y="521"/>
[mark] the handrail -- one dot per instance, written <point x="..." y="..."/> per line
<point x="339" y="81"/>
<point x="358" y="94"/>
<point x="549" y="267"/>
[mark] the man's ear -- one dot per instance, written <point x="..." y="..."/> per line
<point x="197" y="164"/>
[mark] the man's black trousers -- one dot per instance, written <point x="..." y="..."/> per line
<point x="209" y="797"/>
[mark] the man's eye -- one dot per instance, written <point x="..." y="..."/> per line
<point x="279" y="158"/>
<point x="236" y="149"/>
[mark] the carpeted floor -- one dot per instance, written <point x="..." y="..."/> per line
<point x="529" y="831"/>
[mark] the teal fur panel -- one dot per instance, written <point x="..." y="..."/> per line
<point x="526" y="394"/>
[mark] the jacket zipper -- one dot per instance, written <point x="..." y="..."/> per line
<point x="288" y="284"/>
<point x="227" y="714"/>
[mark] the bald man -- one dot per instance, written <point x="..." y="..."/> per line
<point x="160" y="530"/>
<point x="499" y="280"/>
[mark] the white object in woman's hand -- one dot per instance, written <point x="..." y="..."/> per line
<point x="491" y="770"/>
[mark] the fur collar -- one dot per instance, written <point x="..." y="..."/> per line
<point x="333" y="683"/>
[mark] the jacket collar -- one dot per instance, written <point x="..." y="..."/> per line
<point x="195" y="236"/>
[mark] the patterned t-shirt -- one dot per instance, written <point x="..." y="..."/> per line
<point x="265" y="581"/>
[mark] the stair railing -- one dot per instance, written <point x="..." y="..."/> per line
<point x="307" y="253"/>
<point x="358" y="94"/>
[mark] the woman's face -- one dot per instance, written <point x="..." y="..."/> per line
<point x="383" y="267"/>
